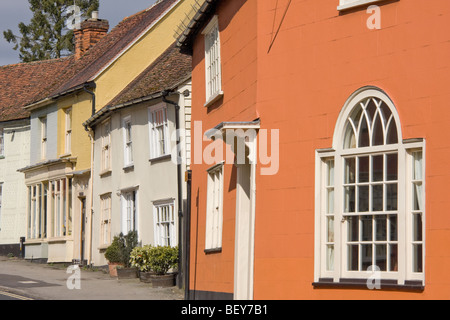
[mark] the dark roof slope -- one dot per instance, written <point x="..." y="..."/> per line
<point x="167" y="71"/>
<point x="22" y="83"/>
<point x="102" y="53"/>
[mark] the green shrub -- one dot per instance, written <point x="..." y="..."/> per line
<point x="162" y="259"/>
<point x="120" y="249"/>
<point x="139" y="258"/>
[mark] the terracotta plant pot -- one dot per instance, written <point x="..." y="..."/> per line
<point x="112" y="266"/>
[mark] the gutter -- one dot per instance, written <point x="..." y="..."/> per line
<point x="180" y="191"/>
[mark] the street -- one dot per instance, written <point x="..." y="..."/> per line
<point x="11" y="296"/>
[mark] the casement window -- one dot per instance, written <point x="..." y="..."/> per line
<point x="43" y="127"/>
<point x="61" y="207"/>
<point x="347" y="4"/>
<point x="106" y="146"/>
<point x="129" y="211"/>
<point x="105" y="236"/>
<point x="68" y="130"/>
<point x="214" y="208"/>
<point x="370" y="196"/>
<point x="37" y="211"/>
<point x="164" y="217"/>
<point x="127" y="142"/>
<point x="2" y="142"/>
<point x="159" y="132"/>
<point x="212" y="60"/>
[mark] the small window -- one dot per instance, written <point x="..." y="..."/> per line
<point x="105" y="237"/>
<point x="68" y="131"/>
<point x="43" y="124"/>
<point x="159" y="131"/>
<point x="127" y="142"/>
<point x="212" y="60"/>
<point x="164" y="217"/>
<point x="214" y="208"/>
<point x="106" y="146"/>
<point x="129" y="211"/>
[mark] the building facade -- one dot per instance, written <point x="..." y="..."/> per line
<point x="346" y="105"/>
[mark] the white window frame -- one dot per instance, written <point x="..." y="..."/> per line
<point x="106" y="146"/>
<point x="214" y="207"/>
<point x="127" y="142"/>
<point x="68" y="130"/>
<point x="130" y="212"/>
<point x="1" y="201"/>
<point x="158" y="131"/>
<point x="347" y="4"/>
<point x="213" y="68"/>
<point x="404" y="212"/>
<point x="164" y="217"/>
<point x="105" y="230"/>
<point x="43" y="129"/>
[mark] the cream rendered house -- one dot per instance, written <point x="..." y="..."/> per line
<point x="135" y="172"/>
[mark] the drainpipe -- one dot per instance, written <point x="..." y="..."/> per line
<point x="188" y="234"/>
<point x="180" y="192"/>
<point x="89" y="86"/>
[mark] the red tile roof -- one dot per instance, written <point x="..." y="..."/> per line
<point x="110" y="46"/>
<point x="22" y="83"/>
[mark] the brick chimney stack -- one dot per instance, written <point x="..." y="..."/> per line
<point x="90" y="32"/>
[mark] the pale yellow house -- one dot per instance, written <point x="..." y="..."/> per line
<point x="59" y="178"/>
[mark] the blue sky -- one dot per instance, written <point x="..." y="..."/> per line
<point x="12" y="12"/>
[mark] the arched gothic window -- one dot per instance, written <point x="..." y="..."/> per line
<point x="370" y="197"/>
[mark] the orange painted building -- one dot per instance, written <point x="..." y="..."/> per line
<point x="342" y="106"/>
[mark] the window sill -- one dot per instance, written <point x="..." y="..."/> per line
<point x="103" y="247"/>
<point x="214" y="98"/>
<point x="160" y="158"/>
<point x="410" y="285"/>
<point x="128" y="168"/>
<point x="356" y="4"/>
<point x="66" y="155"/>
<point x="213" y="250"/>
<point x="105" y="173"/>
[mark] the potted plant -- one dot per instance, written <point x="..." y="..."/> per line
<point x="139" y="258"/>
<point x="114" y="256"/>
<point x="127" y="243"/>
<point x="118" y="256"/>
<point x="163" y="259"/>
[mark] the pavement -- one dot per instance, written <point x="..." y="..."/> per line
<point x="53" y="282"/>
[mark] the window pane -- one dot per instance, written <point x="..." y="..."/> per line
<point x="393" y="228"/>
<point x="380" y="228"/>
<point x="378" y="136"/>
<point x="417" y="166"/>
<point x="377" y="168"/>
<point x="417" y="196"/>
<point x="417" y="258"/>
<point x="363" y="198"/>
<point x="330" y="227"/>
<point x="349" y="139"/>
<point x="391" y="197"/>
<point x="363" y="134"/>
<point x="366" y="256"/>
<point x="393" y="264"/>
<point x="330" y="200"/>
<point x="353" y="228"/>
<point x="380" y="256"/>
<point x="353" y="252"/>
<point x="366" y="224"/>
<point x="363" y="169"/>
<point x="392" y="167"/>
<point x="417" y="227"/>
<point x="377" y="197"/>
<point x="349" y="199"/>
<point x="392" y="137"/>
<point x="330" y="257"/>
<point x="330" y="173"/>
<point x="350" y="168"/>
